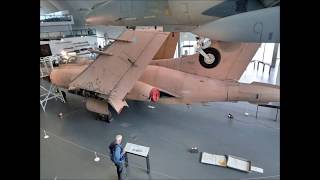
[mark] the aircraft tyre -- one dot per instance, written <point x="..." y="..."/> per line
<point x="214" y="58"/>
<point x="64" y="95"/>
<point x="131" y="27"/>
<point x="104" y="117"/>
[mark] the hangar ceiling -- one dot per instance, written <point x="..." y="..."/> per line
<point x="77" y="8"/>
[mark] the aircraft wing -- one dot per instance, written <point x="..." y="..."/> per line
<point x="115" y="71"/>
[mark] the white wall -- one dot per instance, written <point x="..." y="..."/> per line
<point x="55" y="28"/>
<point x="111" y="31"/>
<point x="57" y="46"/>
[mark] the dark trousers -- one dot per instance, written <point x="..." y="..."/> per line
<point x="120" y="171"/>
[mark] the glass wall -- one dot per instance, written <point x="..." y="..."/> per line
<point x="265" y="53"/>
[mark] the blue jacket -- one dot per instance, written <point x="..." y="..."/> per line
<point x="117" y="157"/>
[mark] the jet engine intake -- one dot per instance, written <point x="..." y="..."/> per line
<point x="144" y="92"/>
<point x="154" y="94"/>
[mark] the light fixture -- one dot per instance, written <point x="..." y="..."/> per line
<point x="246" y="113"/>
<point x="96" y="159"/>
<point x="46" y="136"/>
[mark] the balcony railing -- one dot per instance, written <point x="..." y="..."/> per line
<point x="55" y="18"/>
<point x="65" y="34"/>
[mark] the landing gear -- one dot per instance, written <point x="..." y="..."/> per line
<point x="104" y="117"/>
<point x="64" y="95"/>
<point x="213" y="58"/>
<point x="209" y="57"/>
<point x="131" y="27"/>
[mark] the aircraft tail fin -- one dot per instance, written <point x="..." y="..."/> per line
<point x="168" y="48"/>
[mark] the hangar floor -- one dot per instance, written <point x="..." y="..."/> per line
<point x="170" y="130"/>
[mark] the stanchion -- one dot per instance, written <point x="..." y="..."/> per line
<point x="96" y="159"/>
<point x="46" y="136"/>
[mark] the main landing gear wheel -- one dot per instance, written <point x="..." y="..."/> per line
<point x="131" y="27"/>
<point x="104" y="117"/>
<point x="213" y="60"/>
<point x="64" y="95"/>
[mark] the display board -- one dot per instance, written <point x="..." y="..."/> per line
<point x="214" y="159"/>
<point x="137" y="149"/>
<point x="230" y="162"/>
<point x="238" y="163"/>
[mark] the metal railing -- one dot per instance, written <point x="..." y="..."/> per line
<point x="65" y="34"/>
<point x="55" y="18"/>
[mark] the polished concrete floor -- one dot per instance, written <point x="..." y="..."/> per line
<point x="169" y="130"/>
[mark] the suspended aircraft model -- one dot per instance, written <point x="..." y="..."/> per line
<point x="139" y="65"/>
<point x="212" y="20"/>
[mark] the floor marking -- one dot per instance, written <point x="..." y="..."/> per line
<point x="263" y="177"/>
<point x="151" y="107"/>
<point x="101" y="154"/>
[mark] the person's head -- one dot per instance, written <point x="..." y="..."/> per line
<point x="118" y="139"/>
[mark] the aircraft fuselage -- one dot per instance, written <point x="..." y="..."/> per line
<point x="182" y="87"/>
<point x="220" y="20"/>
<point x="166" y="12"/>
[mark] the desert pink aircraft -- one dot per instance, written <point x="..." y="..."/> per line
<point x="139" y="65"/>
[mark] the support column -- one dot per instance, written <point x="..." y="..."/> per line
<point x="278" y="76"/>
<point x="274" y="55"/>
<point x="179" y="46"/>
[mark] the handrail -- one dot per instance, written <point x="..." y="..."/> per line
<point x="72" y="33"/>
<point x="55" y="18"/>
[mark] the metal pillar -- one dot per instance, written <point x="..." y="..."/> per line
<point x="148" y="164"/>
<point x="274" y="55"/>
<point x="278" y="75"/>
<point x="179" y="46"/>
<point x="264" y="50"/>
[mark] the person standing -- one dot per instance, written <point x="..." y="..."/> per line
<point x="118" y="156"/>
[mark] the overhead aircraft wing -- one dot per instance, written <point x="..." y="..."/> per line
<point x="115" y="71"/>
